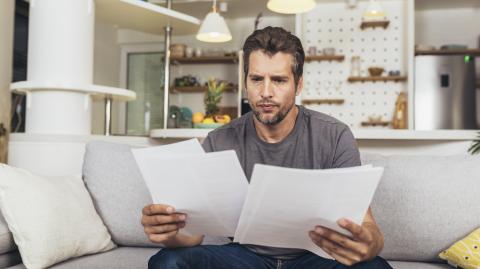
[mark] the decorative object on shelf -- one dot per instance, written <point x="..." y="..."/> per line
<point x="323" y="101"/>
<point x="319" y="58"/>
<point x="400" y="115"/>
<point x="329" y="51"/>
<point x="173" y="116"/>
<point x="214" y="28"/>
<point x="373" y="24"/>
<point x="394" y="73"/>
<point x="475" y="148"/>
<point x="189" y="52"/>
<point x="214" y="53"/>
<point x="374" y="12"/>
<point x="376" y="71"/>
<point x="312" y="51"/>
<point x="355" y="68"/>
<point x="198" y="52"/>
<point x="375" y="79"/>
<point x="186" y="81"/>
<point x="177" y="50"/>
<point x="291" y="7"/>
<point x="454" y="47"/>
<point x="213" y="96"/>
<point x="374" y="120"/>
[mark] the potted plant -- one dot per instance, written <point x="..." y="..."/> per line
<point x="475" y="147"/>
<point x="213" y="96"/>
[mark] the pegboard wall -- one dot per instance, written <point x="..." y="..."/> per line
<point x="335" y="25"/>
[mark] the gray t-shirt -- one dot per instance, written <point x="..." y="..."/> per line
<point x="317" y="141"/>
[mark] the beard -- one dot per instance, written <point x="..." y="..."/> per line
<point x="277" y="118"/>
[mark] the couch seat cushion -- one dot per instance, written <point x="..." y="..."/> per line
<point x="119" y="258"/>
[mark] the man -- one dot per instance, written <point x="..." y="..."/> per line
<point x="276" y="132"/>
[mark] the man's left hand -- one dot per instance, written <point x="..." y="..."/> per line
<point x="365" y="245"/>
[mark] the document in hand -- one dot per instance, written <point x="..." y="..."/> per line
<point x="284" y="204"/>
<point x="209" y="187"/>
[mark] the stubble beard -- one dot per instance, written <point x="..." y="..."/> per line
<point x="276" y="119"/>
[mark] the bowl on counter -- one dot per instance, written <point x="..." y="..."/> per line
<point x="376" y="71"/>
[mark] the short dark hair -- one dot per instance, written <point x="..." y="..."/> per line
<point x="271" y="40"/>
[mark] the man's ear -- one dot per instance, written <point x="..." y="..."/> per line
<point x="299" y="88"/>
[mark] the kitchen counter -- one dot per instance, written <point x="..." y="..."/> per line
<point x="360" y="134"/>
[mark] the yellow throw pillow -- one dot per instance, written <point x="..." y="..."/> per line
<point x="464" y="253"/>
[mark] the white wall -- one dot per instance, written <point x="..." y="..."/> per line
<point x="448" y="26"/>
<point x="106" y="70"/>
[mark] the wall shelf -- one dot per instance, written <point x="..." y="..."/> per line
<point x="380" y="78"/>
<point x="198" y="89"/>
<point x="374" y="24"/>
<point x="471" y="52"/>
<point x="145" y="17"/>
<point x="323" y="101"/>
<point x="318" y="58"/>
<point x="375" y="123"/>
<point x="205" y="60"/>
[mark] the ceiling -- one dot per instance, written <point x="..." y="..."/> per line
<point x="236" y="8"/>
<point x="251" y="8"/>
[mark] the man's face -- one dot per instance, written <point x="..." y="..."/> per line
<point x="271" y="86"/>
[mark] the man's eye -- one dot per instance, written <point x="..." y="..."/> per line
<point x="257" y="79"/>
<point x="280" y="81"/>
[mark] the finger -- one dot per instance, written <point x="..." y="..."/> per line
<point x="338" y="238"/>
<point x="334" y="248"/>
<point x="155" y="209"/>
<point x="358" y="232"/>
<point x="162" y="219"/>
<point x="163" y="228"/>
<point x="161" y="238"/>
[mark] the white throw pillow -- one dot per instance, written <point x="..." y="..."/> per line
<point x="52" y="219"/>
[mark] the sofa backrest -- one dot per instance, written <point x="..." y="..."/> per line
<point x="424" y="203"/>
<point x="119" y="192"/>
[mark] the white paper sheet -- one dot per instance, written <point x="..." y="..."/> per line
<point x="209" y="187"/>
<point x="284" y="204"/>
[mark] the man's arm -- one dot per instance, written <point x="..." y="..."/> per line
<point x="367" y="240"/>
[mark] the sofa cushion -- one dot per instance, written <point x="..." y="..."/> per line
<point x="424" y="204"/>
<point x="418" y="265"/>
<point x="119" y="192"/>
<point x="123" y="257"/>
<point x="48" y="214"/>
<point x="6" y="239"/>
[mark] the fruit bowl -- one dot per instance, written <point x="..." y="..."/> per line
<point x="207" y="125"/>
<point x="375" y="71"/>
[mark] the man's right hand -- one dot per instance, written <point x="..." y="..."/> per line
<point x="161" y="224"/>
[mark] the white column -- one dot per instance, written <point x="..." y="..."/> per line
<point x="60" y="51"/>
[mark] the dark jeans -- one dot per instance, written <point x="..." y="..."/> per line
<point x="235" y="256"/>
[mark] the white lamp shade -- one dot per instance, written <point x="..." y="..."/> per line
<point x="291" y="6"/>
<point x="214" y="29"/>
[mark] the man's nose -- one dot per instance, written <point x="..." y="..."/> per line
<point x="267" y="89"/>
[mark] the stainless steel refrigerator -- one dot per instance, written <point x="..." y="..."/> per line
<point x="445" y="94"/>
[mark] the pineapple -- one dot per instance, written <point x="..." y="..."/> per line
<point x="213" y="96"/>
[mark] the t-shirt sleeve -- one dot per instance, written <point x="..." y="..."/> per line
<point x="346" y="151"/>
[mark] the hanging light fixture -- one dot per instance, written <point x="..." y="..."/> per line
<point x="214" y="28"/>
<point x="374" y="11"/>
<point x="291" y="6"/>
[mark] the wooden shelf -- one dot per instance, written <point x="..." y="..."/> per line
<point x="145" y="17"/>
<point x="197" y="89"/>
<point x="323" y="101"/>
<point x="375" y="123"/>
<point x="205" y="60"/>
<point x="379" y="78"/>
<point x="471" y="52"/>
<point x="374" y="24"/>
<point x="318" y="58"/>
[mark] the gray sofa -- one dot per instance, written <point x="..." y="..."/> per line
<point x="423" y="205"/>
